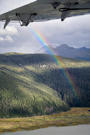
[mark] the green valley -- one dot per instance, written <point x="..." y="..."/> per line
<point x="32" y="84"/>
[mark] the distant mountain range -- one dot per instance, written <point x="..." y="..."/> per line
<point x="71" y="52"/>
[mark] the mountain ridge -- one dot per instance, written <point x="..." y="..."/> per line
<point x="66" y="51"/>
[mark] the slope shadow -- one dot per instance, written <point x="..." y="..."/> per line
<point x="57" y="80"/>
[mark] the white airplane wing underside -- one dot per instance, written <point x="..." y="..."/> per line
<point x="42" y="10"/>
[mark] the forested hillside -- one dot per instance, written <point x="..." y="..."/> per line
<point x="35" y="85"/>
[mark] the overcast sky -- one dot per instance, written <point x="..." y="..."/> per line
<point x="73" y="31"/>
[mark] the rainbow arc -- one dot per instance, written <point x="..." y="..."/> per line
<point x="59" y="61"/>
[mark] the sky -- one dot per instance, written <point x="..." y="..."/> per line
<point x="74" y="31"/>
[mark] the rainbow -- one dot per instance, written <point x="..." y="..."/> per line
<point x="39" y="36"/>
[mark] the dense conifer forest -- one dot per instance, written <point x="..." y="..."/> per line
<point x="33" y="84"/>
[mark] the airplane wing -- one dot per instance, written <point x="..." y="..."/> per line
<point x="42" y="10"/>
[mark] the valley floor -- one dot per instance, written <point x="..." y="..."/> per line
<point x="75" y="116"/>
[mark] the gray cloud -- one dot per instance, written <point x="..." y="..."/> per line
<point x="73" y="31"/>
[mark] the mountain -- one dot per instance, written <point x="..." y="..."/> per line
<point x="71" y="52"/>
<point x="33" y="84"/>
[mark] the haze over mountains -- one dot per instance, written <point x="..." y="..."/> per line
<point x="71" y="52"/>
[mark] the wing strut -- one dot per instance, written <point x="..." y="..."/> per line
<point x="66" y="11"/>
<point x="64" y="15"/>
<point x="6" y="22"/>
<point x="25" y="19"/>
